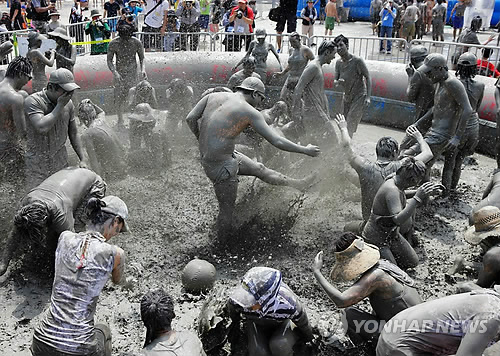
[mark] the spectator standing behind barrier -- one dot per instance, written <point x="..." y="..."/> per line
<point x="188" y="12"/>
<point x="438" y="20"/>
<point x="65" y="52"/>
<point x="469" y="36"/>
<point x="204" y="14"/>
<point x="485" y="67"/>
<point x="421" y="21"/>
<point x="40" y="14"/>
<point x="76" y="31"/>
<point x="308" y="16"/>
<point x="288" y="16"/>
<point x="98" y="31"/>
<point x="16" y="17"/>
<point x="458" y="20"/>
<point x="375" y="8"/>
<point x="171" y="24"/>
<point x="331" y="15"/>
<point x="156" y="12"/>
<point x="428" y="17"/>
<point x="408" y="19"/>
<point x="111" y="8"/>
<point x="54" y="21"/>
<point x="388" y="14"/>
<point x="216" y="13"/>
<point x="243" y="18"/>
<point x="340" y="9"/>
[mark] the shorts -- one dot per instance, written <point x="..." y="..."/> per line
<point x="203" y="21"/>
<point x="223" y="171"/>
<point x="151" y="41"/>
<point x="290" y="19"/>
<point x="330" y="23"/>
<point x="458" y="21"/>
<point x="112" y="24"/>
<point x="385" y="348"/>
<point x="408" y="29"/>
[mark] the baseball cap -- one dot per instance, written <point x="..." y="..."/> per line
<point x="116" y="206"/>
<point x="64" y="78"/>
<point x="433" y="60"/>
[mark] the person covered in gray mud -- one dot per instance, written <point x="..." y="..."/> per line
<point x="39" y="60"/>
<point x="157" y="313"/>
<point x="486" y="234"/>
<point x="6" y="48"/>
<point x="12" y="120"/>
<point x="126" y="49"/>
<point x="51" y="208"/>
<point x="351" y="73"/>
<point x="259" y="49"/>
<point x="392" y="216"/>
<point x="84" y="263"/>
<point x="460" y="325"/>
<point x="420" y="88"/>
<point x="310" y="93"/>
<point x="143" y="92"/>
<point x="104" y="149"/>
<point x="49" y="122"/>
<point x="452" y="170"/>
<point x="65" y="52"/>
<point x="373" y="174"/>
<point x="298" y="58"/>
<point x="388" y="288"/>
<point x="247" y="72"/>
<point x="217" y="121"/>
<point x="491" y="195"/>
<point x="276" y="320"/>
<point x="180" y="99"/>
<point x="444" y="124"/>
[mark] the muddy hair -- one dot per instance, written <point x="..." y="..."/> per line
<point x="19" y="66"/>
<point x="95" y="214"/>
<point x="32" y="221"/>
<point x="387" y="147"/>
<point x="86" y="112"/>
<point x="476" y="23"/>
<point x="466" y="71"/>
<point x="412" y="167"/>
<point x="157" y="312"/>
<point x="341" y="38"/>
<point x="249" y="61"/>
<point x="344" y="241"/>
<point x="125" y="28"/>
<point x="326" y="46"/>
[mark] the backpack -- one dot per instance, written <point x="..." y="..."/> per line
<point x="275" y="14"/>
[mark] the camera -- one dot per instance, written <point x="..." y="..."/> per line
<point x="239" y="14"/>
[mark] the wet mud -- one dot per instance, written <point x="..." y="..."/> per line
<point x="172" y="215"/>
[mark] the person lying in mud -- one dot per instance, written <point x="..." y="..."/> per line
<point x="388" y="288"/>
<point x="104" y="149"/>
<point x="486" y="234"/>
<point x="275" y="318"/>
<point x="392" y="214"/>
<point x="460" y="325"/>
<point x="84" y="263"/>
<point x="217" y="121"/>
<point x="51" y="208"/>
<point x="373" y="174"/>
<point x="157" y="313"/>
<point x="491" y="195"/>
<point x="143" y="92"/>
<point x="248" y="71"/>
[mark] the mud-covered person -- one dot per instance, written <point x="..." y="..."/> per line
<point x="65" y="52"/>
<point x="157" y="313"/>
<point x="392" y="215"/>
<point x="491" y="195"/>
<point x="275" y="318"/>
<point x="217" y="121"/>
<point x="143" y="92"/>
<point x="51" y="208"/>
<point x="460" y="325"/>
<point x="104" y="149"/>
<point x="126" y="49"/>
<point x="388" y="288"/>
<point x="49" y="123"/>
<point x="420" y="89"/>
<point x="248" y="65"/>
<point x="84" y="263"/>
<point x="373" y="174"/>
<point x="39" y="60"/>
<point x="352" y="74"/>
<point x="12" y="120"/>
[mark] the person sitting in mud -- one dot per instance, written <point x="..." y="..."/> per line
<point x="157" y="313"/>
<point x="275" y="318"/>
<point x="486" y="234"/>
<point x="84" y="263"/>
<point x="143" y="92"/>
<point x="491" y="195"/>
<point x="392" y="215"/>
<point x="460" y="325"/>
<point x="50" y="209"/>
<point x="373" y="174"/>
<point x="104" y="149"/>
<point x="389" y="289"/>
<point x="217" y="121"/>
<point x="248" y="71"/>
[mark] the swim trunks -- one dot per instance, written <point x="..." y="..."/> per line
<point x="223" y="170"/>
<point x="330" y="23"/>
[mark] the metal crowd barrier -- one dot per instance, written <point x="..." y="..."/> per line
<point x="369" y="48"/>
<point x="231" y="42"/>
<point x="176" y="41"/>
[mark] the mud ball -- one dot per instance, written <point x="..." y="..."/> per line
<point x="198" y="276"/>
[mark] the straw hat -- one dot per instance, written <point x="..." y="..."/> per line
<point x="61" y="33"/>
<point x="143" y="113"/>
<point x="486" y="223"/>
<point x="354" y="261"/>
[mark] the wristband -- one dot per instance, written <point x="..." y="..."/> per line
<point x="417" y="199"/>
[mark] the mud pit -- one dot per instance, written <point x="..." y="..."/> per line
<point x="171" y="217"/>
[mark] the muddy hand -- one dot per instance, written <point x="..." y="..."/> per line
<point x="340" y="121"/>
<point x="65" y="98"/>
<point x="318" y="261"/>
<point x="312" y="150"/>
<point x="83" y="164"/>
<point x="425" y="190"/>
<point x="412" y="131"/>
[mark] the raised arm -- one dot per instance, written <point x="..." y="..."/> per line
<point x="75" y="141"/>
<point x="68" y="61"/>
<point x="196" y="114"/>
<point x="43" y="123"/>
<point x="355" y="160"/>
<point x="41" y="57"/>
<point x="402" y="214"/>
<point x="425" y="154"/>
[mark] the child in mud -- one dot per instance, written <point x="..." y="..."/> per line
<point x="143" y="92"/>
<point x="157" y="313"/>
<point x="84" y="264"/>
<point x="275" y="318"/>
<point x="248" y="65"/>
<point x="51" y="208"/>
<point x="217" y="121"/>
<point x="373" y="174"/>
<point x="388" y="288"/>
